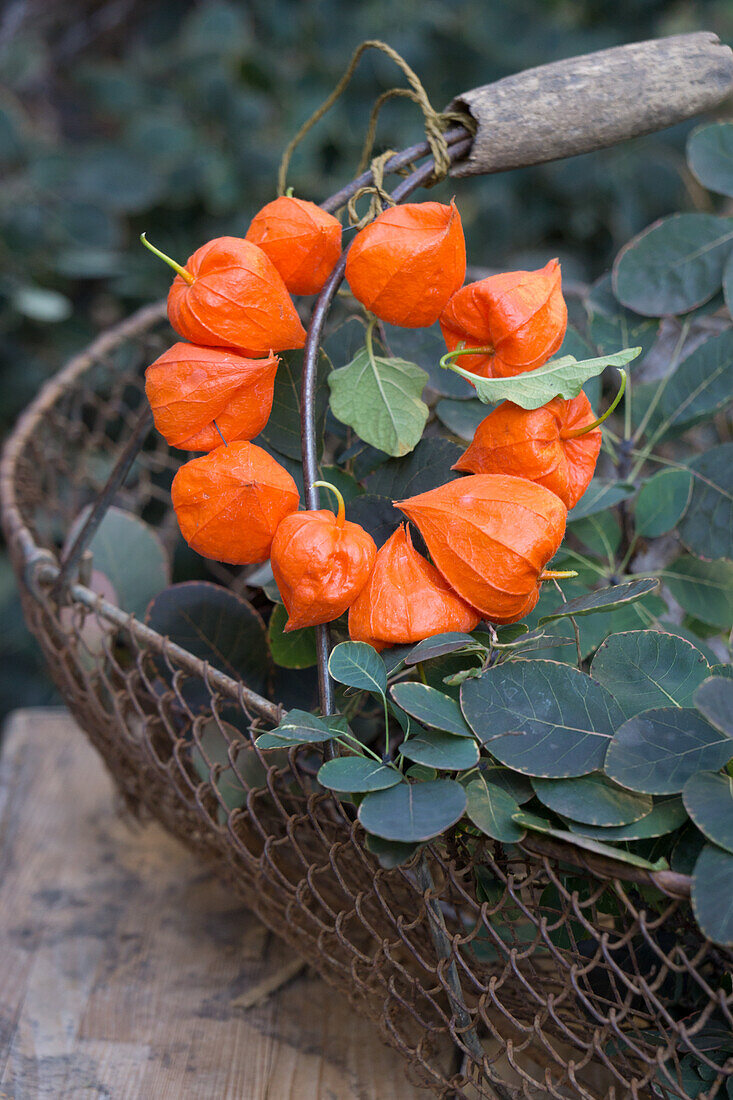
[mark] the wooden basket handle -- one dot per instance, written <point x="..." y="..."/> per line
<point x="590" y="102"/>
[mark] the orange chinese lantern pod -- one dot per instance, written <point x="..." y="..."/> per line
<point x="200" y="395"/>
<point x="538" y="444"/>
<point x="517" y="319"/>
<point x="320" y="562"/>
<point x="230" y="294"/>
<point x="303" y="242"/>
<point x="230" y="502"/>
<point x="406" y="599"/>
<point x="406" y="264"/>
<point x="491" y="535"/>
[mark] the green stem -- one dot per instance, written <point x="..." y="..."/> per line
<point x="663" y="384"/>
<point x="627" y="412"/>
<point x="362" y="748"/>
<point x="341" y="514"/>
<point x="182" y="271"/>
<point x="557" y="574"/>
<point x="577" y="432"/>
<point x="446" y="361"/>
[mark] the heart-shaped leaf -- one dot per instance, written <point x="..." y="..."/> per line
<point x="707" y="527"/>
<point x="657" y="751"/>
<point x="216" y="626"/>
<point x="708" y="799"/>
<point x="427" y="467"/>
<point x="443" y="751"/>
<point x="354" y="774"/>
<point x="603" y="599"/>
<point x="358" y="665"/>
<point x="380" y="399"/>
<point x="710" y="156"/>
<point x="431" y="707"/>
<point x="592" y="799"/>
<point x="559" y="378"/>
<point x="674" y="265"/>
<point x="714" y="699"/>
<point x="413" y="812"/>
<point x="376" y="514"/>
<point x="297" y="648"/>
<point x="667" y="814"/>
<point x="490" y="809"/>
<point x="644" y="669"/>
<point x="712" y="894"/>
<point x="282" y="432"/>
<point x="541" y="717"/>
<point x="662" y="502"/>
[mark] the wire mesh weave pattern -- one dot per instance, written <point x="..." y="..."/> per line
<point x="581" y="978"/>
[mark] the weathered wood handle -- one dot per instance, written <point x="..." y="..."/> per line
<point x="593" y="101"/>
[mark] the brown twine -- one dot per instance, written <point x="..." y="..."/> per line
<point x="380" y="197"/>
<point x="436" y="123"/>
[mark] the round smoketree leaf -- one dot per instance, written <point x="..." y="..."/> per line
<point x="708" y="799"/>
<point x="353" y="774"/>
<point x="707" y="527"/>
<point x="443" y="751"/>
<point x="413" y="812"/>
<point x="657" y="751"/>
<point x="600" y="495"/>
<point x="644" y="669"/>
<point x="358" y="665"/>
<point x="603" y="599"/>
<point x="710" y="156"/>
<point x="662" y="502"/>
<point x="592" y="799"/>
<point x="440" y="644"/>
<point x="712" y="894"/>
<point x="299" y="727"/>
<point x="701" y="385"/>
<point x="673" y="266"/>
<point x="390" y="853"/>
<point x="432" y="708"/>
<point x="714" y="699"/>
<point x="703" y="588"/>
<point x="490" y="809"/>
<point x="667" y="814"/>
<point x="514" y="783"/>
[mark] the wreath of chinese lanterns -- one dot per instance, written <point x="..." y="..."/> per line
<point x="490" y="534"/>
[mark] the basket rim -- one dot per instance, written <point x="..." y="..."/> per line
<point x="41" y="567"/>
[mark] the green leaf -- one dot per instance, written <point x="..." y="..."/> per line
<point x="621" y="329"/>
<point x="603" y="599"/>
<point x="413" y="812"/>
<point x="592" y="800"/>
<point x="662" y="502"/>
<point x="539" y="825"/>
<point x="728" y="283"/>
<point x="714" y="699"/>
<point x="674" y="265"/>
<point x="216" y="626"/>
<point x="599" y="533"/>
<point x="376" y="514"/>
<point x="462" y="418"/>
<point x="131" y="556"/>
<point x="656" y="752"/>
<point x="666" y="815"/>
<point x="443" y="751"/>
<point x="700" y="387"/>
<point x="703" y="588"/>
<point x="431" y="707"/>
<point x="300" y="727"/>
<point x="710" y="156"/>
<point x="354" y="774"/>
<point x="440" y="644"/>
<point x="297" y="648"/>
<point x="427" y="467"/>
<point x="425" y="346"/>
<point x="381" y="400"/>
<point x="491" y="809"/>
<point x="390" y="853"/>
<point x="559" y="378"/>
<point x="707" y="528"/>
<point x="600" y="495"/>
<point x="282" y="432"/>
<point x="712" y="894"/>
<point x="213" y="754"/>
<point x="514" y="783"/>
<point x="708" y="799"/>
<point x="541" y="717"/>
<point x="644" y="669"/>
<point x="358" y="665"/>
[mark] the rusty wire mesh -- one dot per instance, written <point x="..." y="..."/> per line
<point x="581" y="978"/>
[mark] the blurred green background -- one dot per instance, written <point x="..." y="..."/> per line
<point x="171" y="115"/>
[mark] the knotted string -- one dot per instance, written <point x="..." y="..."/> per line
<point x="436" y="123"/>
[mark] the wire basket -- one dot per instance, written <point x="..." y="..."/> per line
<point x="535" y="967"/>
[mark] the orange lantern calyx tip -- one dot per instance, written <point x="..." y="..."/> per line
<point x="178" y="268"/>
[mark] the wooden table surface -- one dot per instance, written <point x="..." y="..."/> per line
<point x="126" y="969"/>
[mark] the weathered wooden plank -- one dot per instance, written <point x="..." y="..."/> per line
<point x="121" y="958"/>
<point x="590" y="102"/>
